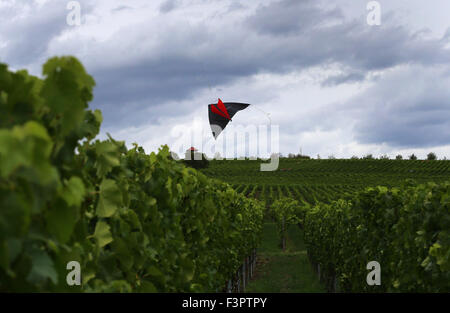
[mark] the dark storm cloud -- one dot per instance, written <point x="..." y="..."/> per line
<point x="283" y="36"/>
<point x="280" y="37"/>
<point x="163" y="79"/>
<point x="148" y="84"/>
<point x="405" y="112"/>
<point x="306" y="34"/>
<point x="343" y="78"/>
<point x="291" y="17"/>
<point x="406" y="108"/>
<point x="28" y="35"/>
<point x="168" y="5"/>
<point x="176" y="69"/>
<point x="355" y="46"/>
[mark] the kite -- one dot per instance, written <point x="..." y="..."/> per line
<point x="221" y="113"/>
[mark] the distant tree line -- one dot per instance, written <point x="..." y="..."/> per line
<point x="430" y="156"/>
<point x="200" y="160"/>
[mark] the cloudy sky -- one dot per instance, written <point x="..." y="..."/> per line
<point x="334" y="84"/>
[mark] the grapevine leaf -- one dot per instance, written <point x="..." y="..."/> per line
<point x="107" y="157"/>
<point x="73" y="193"/>
<point x="61" y="220"/>
<point x="42" y="267"/>
<point x="102" y="234"/>
<point x="147" y="286"/>
<point x="110" y="198"/>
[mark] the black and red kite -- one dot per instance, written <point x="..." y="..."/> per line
<point x="221" y="113"/>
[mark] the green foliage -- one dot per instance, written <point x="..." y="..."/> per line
<point x="134" y="222"/>
<point x="298" y="156"/>
<point x="284" y="213"/>
<point x="413" y="157"/>
<point x="431" y="156"/>
<point x="345" y="235"/>
<point x="405" y="229"/>
<point x="341" y="173"/>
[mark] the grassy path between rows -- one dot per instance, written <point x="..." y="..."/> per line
<point x="278" y="271"/>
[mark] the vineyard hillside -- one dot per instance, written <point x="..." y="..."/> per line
<point x="312" y="180"/>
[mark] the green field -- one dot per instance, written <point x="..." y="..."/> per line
<point x="283" y="271"/>
<point x="323" y="180"/>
